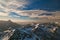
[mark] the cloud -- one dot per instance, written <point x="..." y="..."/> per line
<point x="31" y="13"/>
<point x="9" y="6"/>
<point x="31" y="4"/>
<point x="13" y="4"/>
<point x="13" y="14"/>
<point x="3" y="14"/>
<point x="8" y="9"/>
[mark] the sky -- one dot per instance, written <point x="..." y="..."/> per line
<point x="27" y="9"/>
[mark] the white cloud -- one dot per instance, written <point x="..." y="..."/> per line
<point x="11" y="6"/>
<point x="31" y="13"/>
<point x="3" y="14"/>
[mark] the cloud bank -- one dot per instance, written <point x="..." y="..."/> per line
<point x="15" y="10"/>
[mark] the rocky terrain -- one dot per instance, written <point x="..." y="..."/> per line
<point x="34" y="31"/>
<point x="44" y="31"/>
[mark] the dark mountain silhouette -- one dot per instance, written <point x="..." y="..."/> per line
<point x="4" y="25"/>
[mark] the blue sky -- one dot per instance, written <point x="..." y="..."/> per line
<point x="49" y="5"/>
<point x="22" y="9"/>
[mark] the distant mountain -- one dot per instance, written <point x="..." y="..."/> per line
<point x="4" y="25"/>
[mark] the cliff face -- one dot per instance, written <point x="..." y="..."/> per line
<point x="46" y="31"/>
